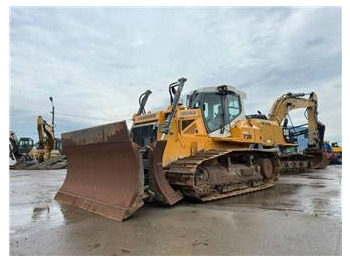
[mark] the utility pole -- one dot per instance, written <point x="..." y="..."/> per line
<point x="53" y="117"/>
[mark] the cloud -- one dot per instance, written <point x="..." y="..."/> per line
<point x="96" y="61"/>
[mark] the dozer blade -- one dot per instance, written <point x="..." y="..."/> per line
<point x="105" y="174"/>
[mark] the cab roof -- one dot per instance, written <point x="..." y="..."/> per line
<point x="216" y="88"/>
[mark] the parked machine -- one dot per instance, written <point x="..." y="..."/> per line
<point x="13" y="148"/>
<point x="334" y="152"/>
<point x="206" y="150"/>
<point x="46" y="143"/>
<point x="314" y="129"/>
<point x="18" y="147"/>
<point x="338" y="153"/>
<point x="45" y="154"/>
<point x="25" y="145"/>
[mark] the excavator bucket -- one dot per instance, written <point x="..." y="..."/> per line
<point x="105" y="173"/>
<point x="320" y="159"/>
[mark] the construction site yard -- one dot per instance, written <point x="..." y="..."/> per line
<point x="300" y="215"/>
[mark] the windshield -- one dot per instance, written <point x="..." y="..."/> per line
<point x="213" y="112"/>
<point x="23" y="142"/>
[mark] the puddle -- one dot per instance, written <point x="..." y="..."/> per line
<point x="314" y="198"/>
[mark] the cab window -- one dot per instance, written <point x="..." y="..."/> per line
<point x="234" y="107"/>
<point x="212" y="111"/>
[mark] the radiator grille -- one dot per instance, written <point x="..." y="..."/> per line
<point x="145" y="134"/>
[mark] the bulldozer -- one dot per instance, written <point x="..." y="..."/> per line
<point x="205" y="150"/>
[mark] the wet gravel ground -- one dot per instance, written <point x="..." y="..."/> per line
<point x="301" y="215"/>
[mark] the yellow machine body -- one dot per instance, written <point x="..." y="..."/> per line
<point x="206" y="150"/>
<point x="189" y="135"/>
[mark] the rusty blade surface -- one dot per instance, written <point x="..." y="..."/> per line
<point x="104" y="174"/>
<point x="164" y="192"/>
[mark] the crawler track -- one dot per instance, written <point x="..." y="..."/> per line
<point x="292" y="163"/>
<point x="218" y="174"/>
<point x="296" y="163"/>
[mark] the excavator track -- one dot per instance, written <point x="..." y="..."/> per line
<point x="216" y="174"/>
<point x="292" y="163"/>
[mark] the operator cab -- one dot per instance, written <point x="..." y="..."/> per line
<point x="25" y="144"/>
<point x="220" y="107"/>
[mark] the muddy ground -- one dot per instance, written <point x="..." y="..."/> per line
<point x="301" y="215"/>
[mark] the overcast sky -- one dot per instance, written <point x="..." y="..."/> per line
<point x="95" y="62"/>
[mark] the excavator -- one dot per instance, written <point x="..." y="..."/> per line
<point x="313" y="155"/>
<point x="46" y="153"/>
<point x="207" y="150"/>
<point x="46" y="141"/>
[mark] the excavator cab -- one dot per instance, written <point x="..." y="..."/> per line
<point x="219" y="108"/>
<point x="25" y="144"/>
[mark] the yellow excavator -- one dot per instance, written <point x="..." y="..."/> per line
<point x="313" y="155"/>
<point x="205" y="151"/>
<point x="45" y="154"/>
<point x="46" y="142"/>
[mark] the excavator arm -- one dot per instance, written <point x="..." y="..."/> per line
<point x="288" y="102"/>
<point x="45" y="134"/>
<point x="46" y="141"/>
